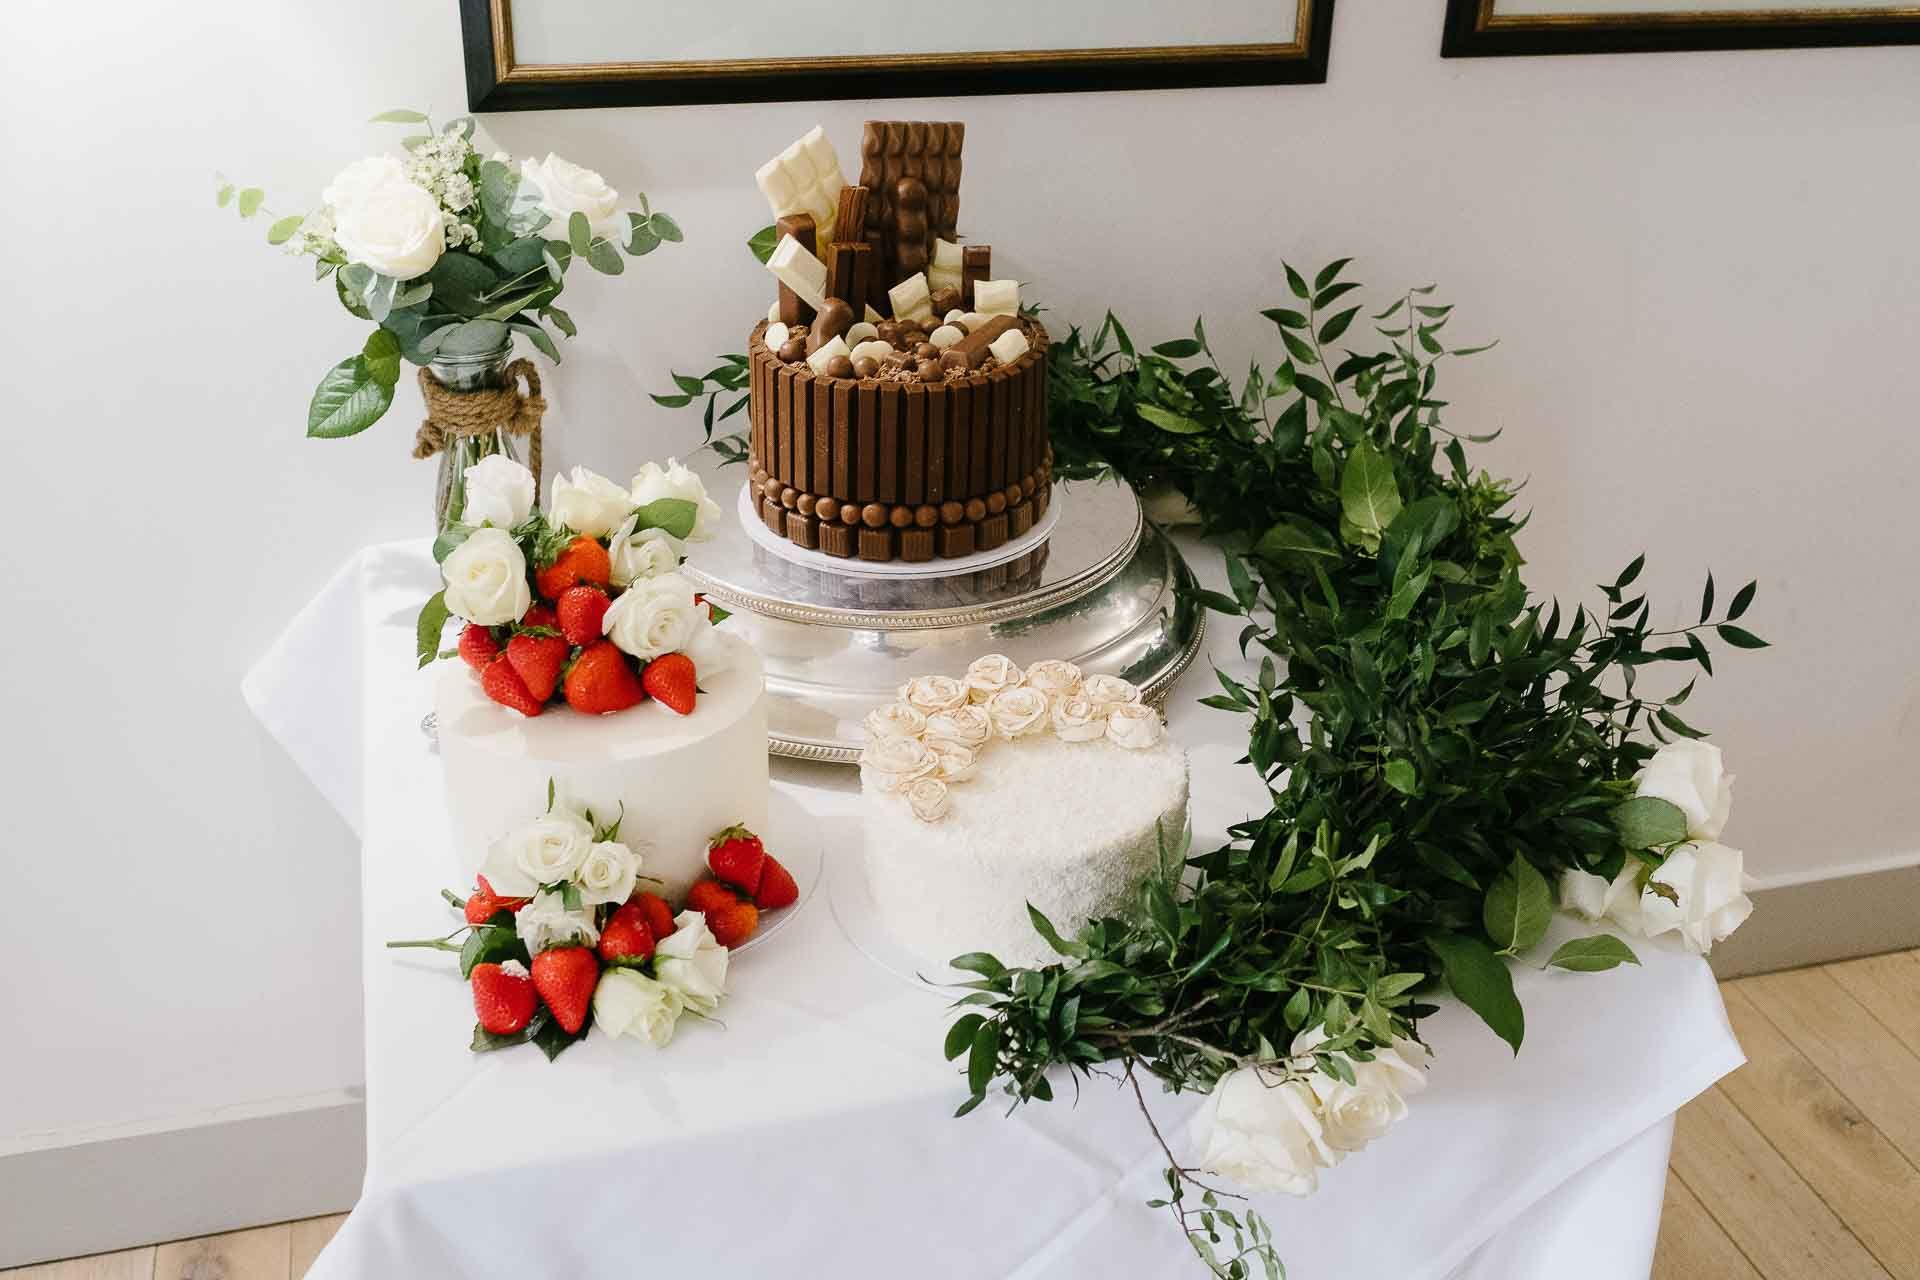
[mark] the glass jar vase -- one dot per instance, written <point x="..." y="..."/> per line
<point x="482" y="371"/>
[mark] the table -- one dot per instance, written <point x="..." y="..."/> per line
<point x="812" y="1135"/>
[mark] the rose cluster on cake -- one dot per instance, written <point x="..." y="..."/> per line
<point x="583" y="602"/>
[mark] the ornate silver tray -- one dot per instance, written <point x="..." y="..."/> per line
<point x="1102" y="592"/>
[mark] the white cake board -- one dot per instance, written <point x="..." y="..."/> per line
<point x="859" y="918"/>
<point x="786" y="549"/>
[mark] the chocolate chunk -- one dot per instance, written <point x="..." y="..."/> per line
<point x="833" y="321"/>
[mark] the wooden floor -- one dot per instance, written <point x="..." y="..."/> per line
<point x="1802" y="1165"/>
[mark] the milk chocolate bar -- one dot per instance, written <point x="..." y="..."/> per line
<point x="930" y="152"/>
<point x="976" y="264"/>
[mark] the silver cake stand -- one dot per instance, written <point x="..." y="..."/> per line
<point x="1102" y="591"/>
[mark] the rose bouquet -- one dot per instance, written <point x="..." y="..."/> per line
<point x="559" y="935"/>
<point x="449" y="254"/>
<point x="583" y="602"/>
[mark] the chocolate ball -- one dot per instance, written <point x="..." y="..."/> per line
<point x="952" y="360"/>
<point x="926" y="351"/>
<point x="789" y="498"/>
<point x="850" y="514"/>
<point x="925" y="516"/>
<point x="866" y="367"/>
<point x="952" y="513"/>
<point x="976" y="510"/>
<point x="900" y="517"/>
<point x="1027" y="488"/>
<point x="875" y="515"/>
<point x="772" y="487"/>
<point x="792" y="351"/>
<point x="1013" y="495"/>
<point x="827" y="508"/>
<point x="839" y="367"/>
<point x="996" y="502"/>
<point x="807" y="504"/>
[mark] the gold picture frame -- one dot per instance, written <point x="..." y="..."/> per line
<point x="1479" y="28"/>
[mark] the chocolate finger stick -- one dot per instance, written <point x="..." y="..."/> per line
<point x="850" y="224"/>
<point x="977" y="343"/>
<point x="976" y="264"/>
<point x="798" y="227"/>
<point x="912" y="250"/>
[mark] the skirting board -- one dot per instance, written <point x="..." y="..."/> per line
<point x="296" y="1158"/>
<point x="1818" y="921"/>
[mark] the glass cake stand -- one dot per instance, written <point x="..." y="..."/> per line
<point x="1101" y="591"/>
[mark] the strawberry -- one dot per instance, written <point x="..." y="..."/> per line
<point x="626" y="936"/>
<point x="478" y="646"/>
<point x="737" y="856"/>
<point x="582" y="560"/>
<point x="504" y="685"/>
<point x="539" y="615"/>
<point x="777" y="888"/>
<point x="670" y="678"/>
<point x="503" y="1001"/>
<point x="537" y="660"/>
<point x="658" y="914"/>
<point x="710" y="895"/>
<point x="600" y="681"/>
<point x="565" y="978"/>
<point x="581" y="611"/>
<point x="733" y="925"/>
<point x="483" y="902"/>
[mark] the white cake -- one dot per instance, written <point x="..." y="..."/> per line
<point x="681" y="778"/>
<point x="955" y="853"/>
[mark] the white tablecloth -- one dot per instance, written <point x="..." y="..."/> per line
<point x="812" y="1135"/>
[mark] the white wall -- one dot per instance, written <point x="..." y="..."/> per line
<point x="1702" y="267"/>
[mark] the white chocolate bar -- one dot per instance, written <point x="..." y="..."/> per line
<point x="773" y="311"/>
<point x="910" y="298"/>
<point x="1009" y="346"/>
<point x="873" y="347"/>
<point x="944" y="272"/>
<point x="805" y="178"/>
<point x="996" y="297"/>
<point x="860" y="332"/>
<point x="946" y="335"/>
<point x="777" y="335"/>
<point x="800" y="271"/>
<point x="819" y="360"/>
<point x="871" y="316"/>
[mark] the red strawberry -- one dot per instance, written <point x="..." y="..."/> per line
<point x="478" y="646"/>
<point x="537" y="660"/>
<point x="483" y="902"/>
<point x="777" y="887"/>
<point x="734" y="924"/>
<point x="600" y="681"/>
<point x="710" y="895"/>
<point x="504" y="1002"/>
<point x="737" y="856"/>
<point x="581" y="611"/>
<point x="658" y="914"/>
<point x="539" y="615"/>
<point x="565" y="978"/>
<point x="582" y="560"/>
<point x="504" y="685"/>
<point x="670" y="678"/>
<point x="626" y="935"/>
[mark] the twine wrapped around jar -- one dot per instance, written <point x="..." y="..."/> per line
<point x="454" y="414"/>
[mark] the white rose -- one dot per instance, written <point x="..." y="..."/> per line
<point x="989" y="675"/>
<point x="954" y="762"/>
<point x="1264" y="1132"/>
<point x="545" y="922"/>
<point x="396" y="228"/>
<point x="500" y="492"/>
<point x="1596" y="898"/>
<point x="359" y="178"/>
<point x="642" y="553"/>
<point x="1133" y="725"/>
<point x="927" y="797"/>
<point x="1352" y="1115"/>
<point x="691" y="962"/>
<point x="607" y="873"/>
<point x="708" y="648"/>
<point x="567" y="189"/>
<point x="1691" y="776"/>
<point x="545" y="851"/>
<point x="486" y="579"/>
<point x="1017" y="712"/>
<point x="653" y="616"/>
<point x="895" y="720"/>
<point x="891" y="764"/>
<point x="1168" y="507"/>
<point x="1053" y="677"/>
<point x="653" y="482"/>
<point x="627" y="1003"/>
<point x="588" y="503"/>
<point x="1075" y="719"/>
<point x="968" y="726"/>
<point x="1710" y="882"/>
<point x="1107" y="692"/>
<point x="930" y="694"/>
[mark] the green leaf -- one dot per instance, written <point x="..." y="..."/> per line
<point x="382" y="356"/>
<point x="1294" y="539"/>
<point x="1739" y="637"/>
<point x="1167" y="420"/>
<point x="1518" y="907"/>
<point x="1648" y="822"/>
<point x="579" y="233"/>
<point x="1178" y="349"/>
<point x="473" y="338"/>
<point x="460" y="283"/>
<point x="1285" y="318"/>
<point x="982" y="1056"/>
<point x="1592" y="955"/>
<point x="1333" y="328"/>
<point x="1480" y="980"/>
<point x="960" y="1034"/>
<point x="1369" y="496"/>
<point x="399" y="116"/>
<point x="666" y="228"/>
<point x="675" y="515"/>
<point x="1044" y="927"/>
<point x="429" y="626"/>
<point x="979" y="962"/>
<point x="348" y="400"/>
<point x="223" y="196"/>
<point x="537" y="336"/>
<point x="1296" y="282"/>
<point x="763" y="242"/>
<point x="604" y="258"/>
<point x="1741" y="599"/>
<point x="1329" y="273"/>
<point x="1408" y="595"/>
<point x="1400" y="776"/>
<point x="282" y="230"/>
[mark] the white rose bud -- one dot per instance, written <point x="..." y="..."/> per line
<point x="499" y="492"/>
<point x="486" y="579"/>
<point x="607" y="873"/>
<point x="566" y="189"/>
<point x="545" y="851"/>
<point x="692" y="962"/>
<point x="545" y="923"/>
<point x="1017" y="712"/>
<point x="892" y="764"/>
<point x="1710" y="882"/>
<point x="1075" y="719"/>
<point x="1691" y="776"/>
<point x="1107" y="692"/>
<point x="1054" y="678"/>
<point x="395" y="228"/>
<point x="653" y="482"/>
<point x="642" y="553"/>
<point x="930" y="694"/>
<point x="1133" y="725"/>
<point x="588" y="503"/>
<point x="968" y="726"/>
<point x="928" y="799"/>
<point x="653" y="616"/>
<point x="1264" y="1132"/>
<point x="989" y="675"/>
<point x="895" y="720"/>
<point x="628" y="1003"/>
<point x="957" y="763"/>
